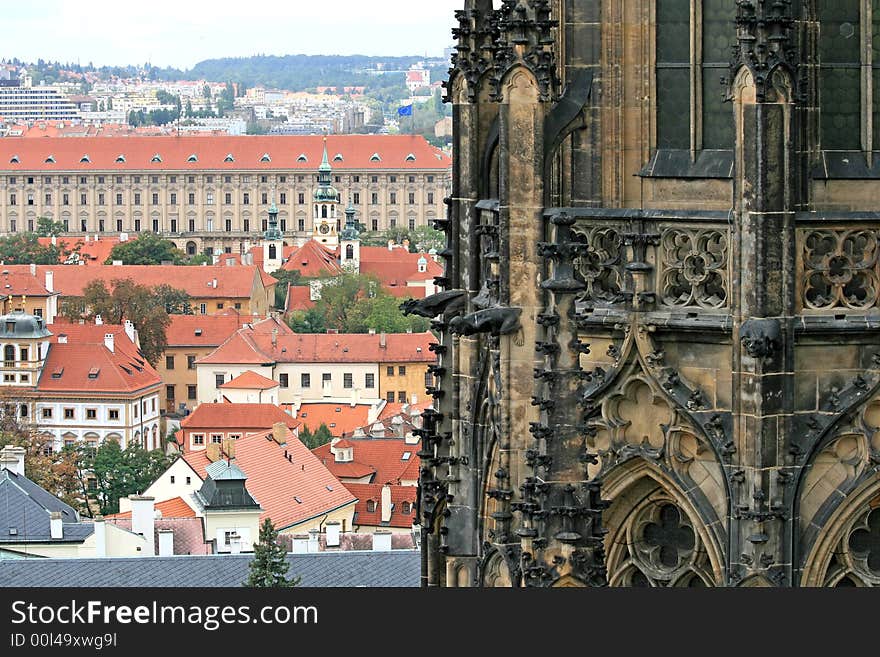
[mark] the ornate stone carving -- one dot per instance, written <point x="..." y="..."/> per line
<point x="495" y="321"/>
<point x="765" y="43"/>
<point x="841" y="269"/>
<point x="599" y="264"/>
<point x="695" y="271"/>
<point x="436" y="304"/>
<point x="761" y="338"/>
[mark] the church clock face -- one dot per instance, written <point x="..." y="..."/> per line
<point x="324" y="229"/>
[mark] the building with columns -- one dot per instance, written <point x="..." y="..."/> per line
<point x="659" y="362"/>
<point x="214" y="193"/>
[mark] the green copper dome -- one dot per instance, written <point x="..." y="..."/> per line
<point x="326" y="192"/>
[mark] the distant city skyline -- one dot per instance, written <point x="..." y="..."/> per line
<point x="181" y="34"/>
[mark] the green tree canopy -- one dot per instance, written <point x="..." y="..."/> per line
<point x="268" y="568"/>
<point x="122" y="472"/>
<point x="46" y="227"/>
<point x="285" y="279"/>
<point x="148" y="249"/>
<point x="25" y="249"/>
<point x="145" y="307"/>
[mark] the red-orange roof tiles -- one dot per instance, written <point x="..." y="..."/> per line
<point x="237" y="416"/>
<point x="276" y="482"/>
<point x="19" y="283"/>
<point x="299" y="297"/>
<point x="204" y="330"/>
<point x="339" y="418"/>
<point x="94" y="368"/>
<point x="389" y="458"/>
<point x="93" y="251"/>
<point x="250" y="381"/>
<point x="312" y="260"/>
<point x="411" y="152"/>
<point x="173" y="508"/>
<point x="400" y="496"/>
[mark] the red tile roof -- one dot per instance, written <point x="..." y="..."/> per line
<point x="17" y="283"/>
<point x="94" y="251"/>
<point x="250" y="381"/>
<point x="173" y="508"/>
<point x="114" y="372"/>
<point x="275" y="483"/>
<point x="384" y="457"/>
<point x="189" y="533"/>
<point x="397" y="266"/>
<point x="251" y="347"/>
<point x="339" y="418"/>
<point x="390" y="410"/>
<point x="373" y="492"/>
<point x="91" y="333"/>
<point x="237" y="416"/>
<point x="212" y="153"/>
<point x="198" y="282"/>
<point x="312" y="260"/>
<point x="299" y="297"/>
<point x="204" y="330"/>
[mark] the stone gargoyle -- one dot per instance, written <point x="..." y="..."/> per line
<point x="497" y="321"/>
<point x="436" y="304"/>
<point x="761" y="338"/>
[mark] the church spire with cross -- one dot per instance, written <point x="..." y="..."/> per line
<point x="326" y="204"/>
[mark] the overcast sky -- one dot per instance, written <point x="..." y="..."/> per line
<point x="182" y="32"/>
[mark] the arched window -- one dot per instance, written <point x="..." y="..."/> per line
<point x="323" y="212"/>
<point x="349" y="252"/>
<point x="689" y="80"/>
<point x="273" y="252"/>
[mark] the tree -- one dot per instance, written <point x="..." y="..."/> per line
<point x="174" y="300"/>
<point x="148" y="249"/>
<point x="145" y="307"/>
<point x="285" y="279"/>
<point x="425" y="238"/>
<point x="122" y="472"/>
<point x="382" y="313"/>
<point x="307" y="321"/>
<point x="321" y="436"/>
<point x="268" y="568"/>
<point x="46" y="227"/>
<point x="25" y="249"/>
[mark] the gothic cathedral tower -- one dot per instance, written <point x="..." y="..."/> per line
<point x="659" y="355"/>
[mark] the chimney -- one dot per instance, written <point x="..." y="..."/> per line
<point x="143" y="520"/>
<point x="372" y="331"/>
<point x="33" y="269"/>
<point x="235" y="544"/>
<point x="116" y="263"/>
<point x="229" y="448"/>
<point x="213" y="452"/>
<point x="274" y="338"/>
<point x="390" y="245"/>
<point x="333" y="530"/>
<point x="355" y="396"/>
<point x="382" y="540"/>
<point x="386" y="503"/>
<point x="300" y="544"/>
<point x="130" y="332"/>
<point x="123" y="237"/>
<point x="12" y="459"/>
<point x="100" y="537"/>
<point x="314" y="541"/>
<point x="383" y="340"/>
<point x="54" y="241"/>
<point x="214" y="283"/>
<point x="99" y="321"/>
<point x="62" y="339"/>
<point x="166" y="543"/>
<point x="50" y="280"/>
<point x="279" y="433"/>
<point x="56" y="526"/>
<point x="110" y="342"/>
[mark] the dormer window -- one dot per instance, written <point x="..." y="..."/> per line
<point x="338" y="158"/>
<point x="410" y="158"/>
<point x="302" y="158"/>
<point x="229" y="158"/>
<point x="120" y="159"/>
<point x="93" y="373"/>
<point x="156" y="159"/>
<point x="265" y="158"/>
<point x="405" y="508"/>
<point x="375" y="158"/>
<point x="371" y="506"/>
<point x="50" y="159"/>
<point x="85" y="159"/>
<point x="14" y="160"/>
<point x="192" y="158"/>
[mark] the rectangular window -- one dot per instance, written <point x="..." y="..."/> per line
<point x="191" y="392"/>
<point x="228" y="225"/>
<point x="246" y="199"/>
<point x="155" y="180"/>
<point x="137" y="198"/>
<point x="48" y="198"/>
<point x="430" y="179"/>
<point x="118" y="199"/>
<point x="264" y="198"/>
<point x="283" y="198"/>
<point x="198" y="439"/>
<point x="190" y="362"/>
<point x="173" y="198"/>
<point x="155" y="225"/>
<point x="155" y="198"/>
<point x="401" y="396"/>
<point x="137" y="225"/>
<point x="283" y="380"/>
<point x="305" y="380"/>
<point x="326" y="378"/>
<point x="65" y="199"/>
<point x="412" y="198"/>
<point x="91" y="413"/>
<point x="47" y="413"/>
<point x="119" y="225"/>
<point x="401" y="371"/>
<point x="203" y="308"/>
<point x="412" y="223"/>
<point x="369" y="380"/>
<point x="113" y="414"/>
<point x="227" y="198"/>
<point x="216" y="438"/>
<point x="12" y="199"/>
<point x="389" y="370"/>
<point x="374" y="198"/>
<point x="191" y="198"/>
<point x="393" y="199"/>
<point x="169" y="393"/>
<point x="219" y="380"/>
<point x="83" y="199"/>
<point x="209" y="198"/>
<point x="429" y="379"/>
<point x="174" y="225"/>
<point x="101" y="198"/>
<point x="348" y="380"/>
<point x="374" y="224"/>
<point x="356" y="198"/>
<point x="390" y="397"/>
<point x="192" y="225"/>
<point x="301" y="198"/>
<point x="169" y="362"/>
<point x="374" y="179"/>
<point x="192" y="180"/>
<point x="301" y="225"/>
<point x="430" y="198"/>
<point x="247" y="225"/>
<point x="412" y="179"/>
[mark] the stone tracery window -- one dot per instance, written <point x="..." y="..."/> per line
<point x="693" y="45"/>
<point x="856" y="561"/>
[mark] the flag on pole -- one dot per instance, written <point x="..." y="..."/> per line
<point x="406" y="110"/>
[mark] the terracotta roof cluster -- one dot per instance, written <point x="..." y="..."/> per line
<point x="391" y="461"/>
<point x="91" y="333"/>
<point x="368" y="511"/>
<point x="299" y="297"/>
<point x="237" y="416"/>
<point x="198" y="282"/>
<point x="90" y="250"/>
<point x="189" y="532"/>
<point x="312" y="260"/>
<point x="252" y="347"/>
<point x="21" y="282"/>
<point x="93" y="368"/>
<point x="258" y="153"/>
<point x="288" y="481"/>
<point x="173" y="508"/>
